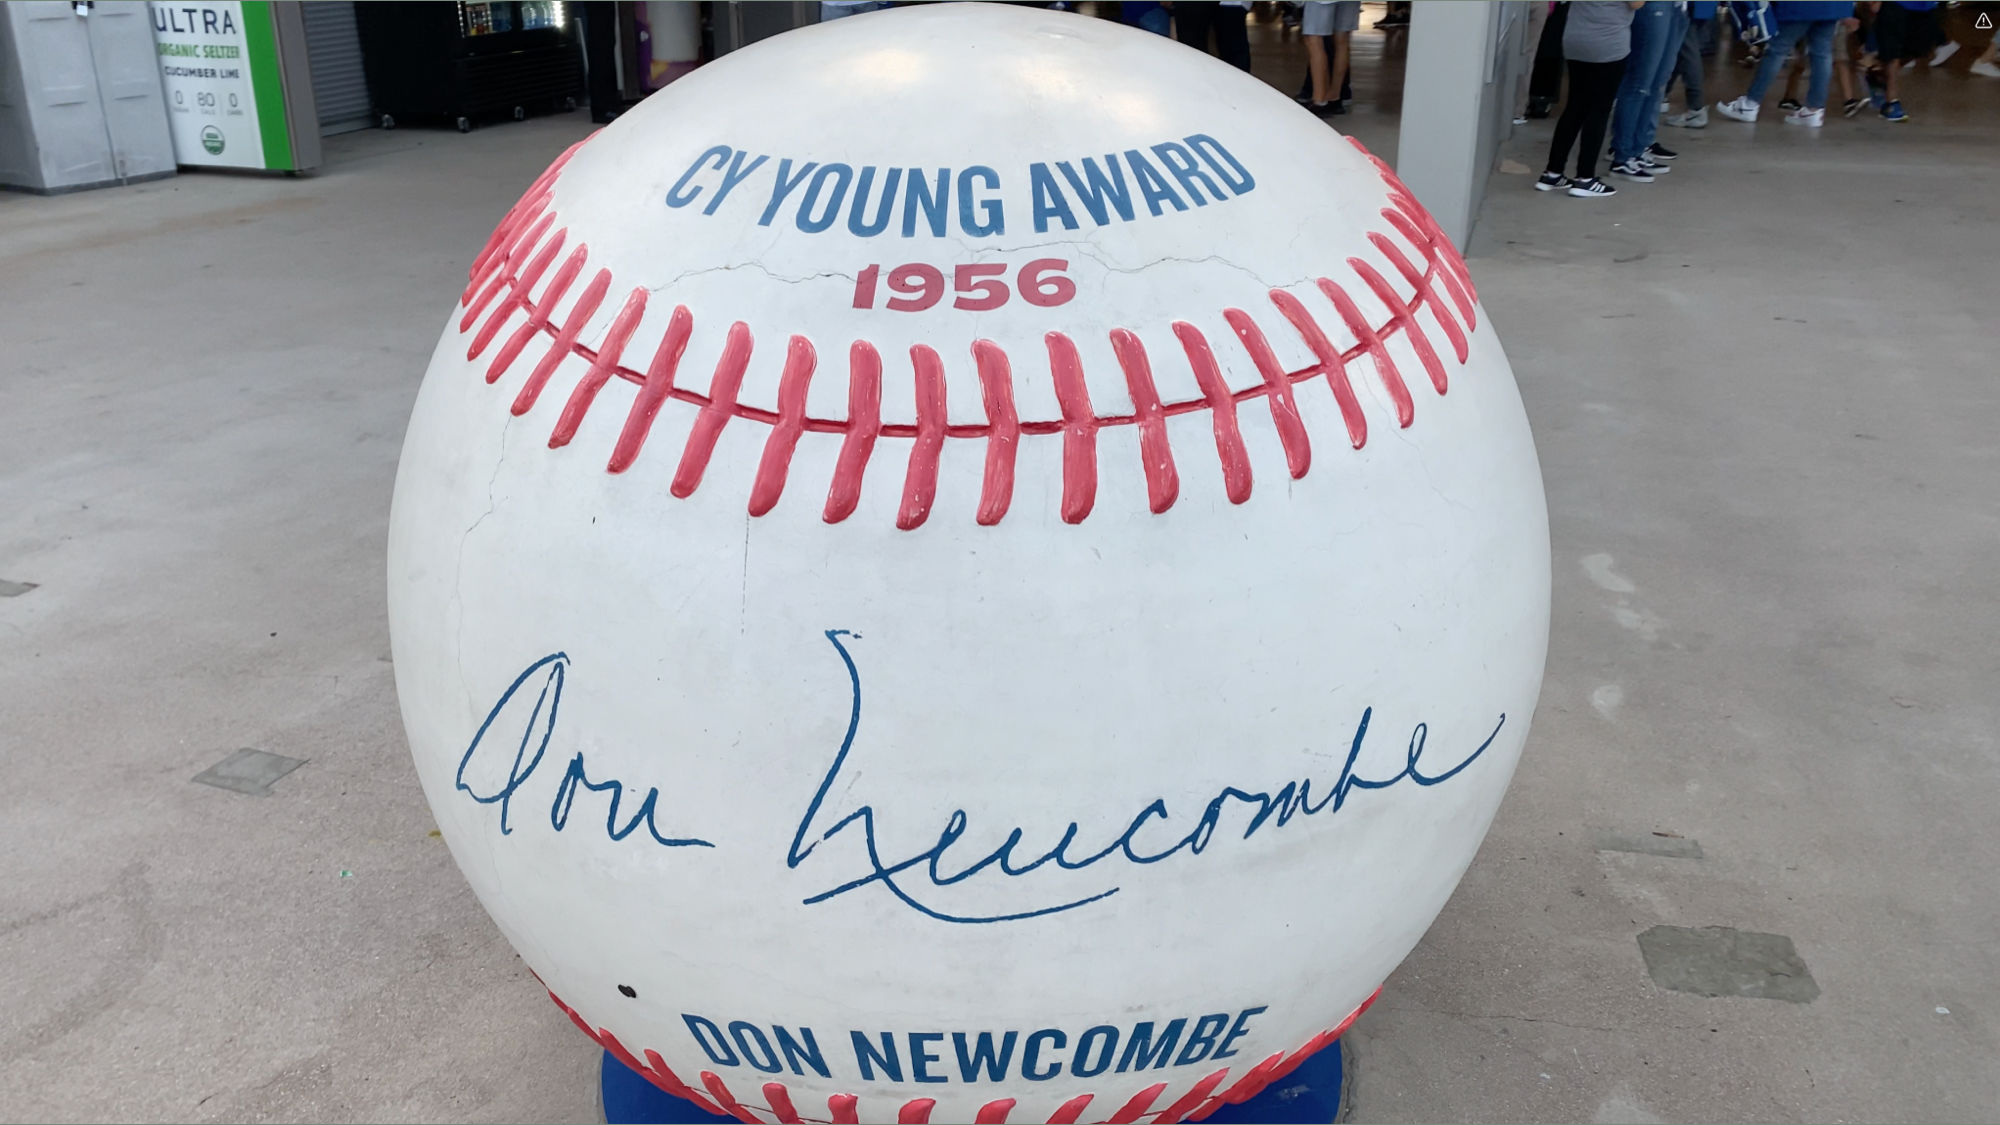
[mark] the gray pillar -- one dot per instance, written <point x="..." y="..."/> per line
<point x="1463" y="60"/>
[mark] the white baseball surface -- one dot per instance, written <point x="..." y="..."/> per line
<point x="967" y="563"/>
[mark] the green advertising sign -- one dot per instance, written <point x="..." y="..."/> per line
<point x="225" y="89"/>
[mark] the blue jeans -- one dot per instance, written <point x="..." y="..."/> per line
<point x="1657" y="30"/>
<point x="1689" y="66"/>
<point x="1818" y="35"/>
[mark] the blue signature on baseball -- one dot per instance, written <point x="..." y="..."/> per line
<point x="912" y="877"/>
<point x="481" y="757"/>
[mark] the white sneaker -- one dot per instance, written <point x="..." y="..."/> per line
<point x="1693" y="119"/>
<point x="1942" y="53"/>
<point x="1738" y="109"/>
<point x="1810" y="118"/>
<point x="1665" y="105"/>
<point x="1986" y="69"/>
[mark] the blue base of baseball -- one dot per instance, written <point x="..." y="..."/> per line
<point x="1311" y="1094"/>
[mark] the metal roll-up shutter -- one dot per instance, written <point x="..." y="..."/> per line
<point x="340" y="87"/>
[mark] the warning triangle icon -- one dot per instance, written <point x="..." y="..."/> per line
<point x="1984" y="22"/>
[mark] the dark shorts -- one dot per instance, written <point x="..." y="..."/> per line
<point x="1903" y="34"/>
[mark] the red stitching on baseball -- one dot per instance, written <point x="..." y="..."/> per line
<point x="1401" y="314"/>
<point x="1332" y="362"/>
<point x="1411" y="212"/>
<point x="1278" y="389"/>
<point x="538" y="316"/>
<point x="1392" y="380"/>
<point x="996" y="385"/>
<point x="1194" y="1098"/>
<point x="653" y="391"/>
<point x="528" y="236"/>
<point x="780" y="1100"/>
<point x="585" y="393"/>
<point x="864" y="412"/>
<point x="1133" y="1109"/>
<point x="1415" y="277"/>
<point x="727" y="381"/>
<point x="916" y="1111"/>
<point x="1069" y="1111"/>
<point x="1229" y="446"/>
<point x="1079" y="472"/>
<point x="510" y="268"/>
<point x="1163" y="484"/>
<point x="994" y="1112"/>
<point x="654" y="1069"/>
<point x="784" y="439"/>
<point x="517" y="299"/>
<point x="499" y="246"/>
<point x="586" y="307"/>
<point x="720" y="1092"/>
<point x="920" y="483"/>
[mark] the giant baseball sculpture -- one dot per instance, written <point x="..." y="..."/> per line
<point x="967" y="564"/>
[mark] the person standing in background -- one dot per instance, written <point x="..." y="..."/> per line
<point x="1545" y="85"/>
<point x="1196" y="20"/>
<point x="1657" y="29"/>
<point x="1846" y="67"/>
<point x="1843" y="71"/>
<point x="1987" y="65"/>
<point x="830" y="10"/>
<point x="1346" y="21"/>
<point x="1905" y="31"/>
<point x="1947" y="46"/>
<point x="1811" y="21"/>
<point x="1157" y="18"/>
<point x="1328" y="28"/>
<point x="1688" y="68"/>
<point x="1531" y="41"/>
<point x="1316" y="28"/>
<point x="600" y="59"/>
<point x="1232" y="33"/>
<point x="1596" y="40"/>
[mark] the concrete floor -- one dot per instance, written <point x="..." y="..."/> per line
<point x="1765" y="394"/>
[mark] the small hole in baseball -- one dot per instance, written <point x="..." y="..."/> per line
<point x="628" y="990"/>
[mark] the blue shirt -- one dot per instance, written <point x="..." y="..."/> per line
<point x="1803" y="11"/>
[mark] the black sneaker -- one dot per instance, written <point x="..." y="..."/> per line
<point x="1632" y="170"/>
<point x="1790" y="103"/>
<point x="1852" y="106"/>
<point x="1660" y="152"/>
<point x="1552" y="181"/>
<point x="1592" y="188"/>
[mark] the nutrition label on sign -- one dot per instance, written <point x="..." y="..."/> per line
<point x="205" y="68"/>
